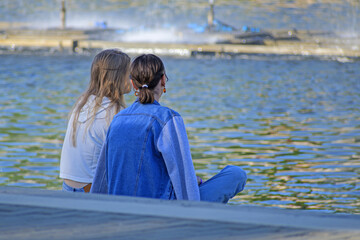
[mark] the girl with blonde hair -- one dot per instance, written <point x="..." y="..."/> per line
<point x="91" y="117"/>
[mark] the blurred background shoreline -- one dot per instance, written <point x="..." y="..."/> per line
<point x="326" y="15"/>
<point x="306" y="28"/>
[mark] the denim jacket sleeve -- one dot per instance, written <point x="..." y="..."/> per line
<point x="174" y="147"/>
<point x="99" y="184"/>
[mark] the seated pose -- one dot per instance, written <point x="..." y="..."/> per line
<point x="147" y="153"/>
<point x="91" y="117"/>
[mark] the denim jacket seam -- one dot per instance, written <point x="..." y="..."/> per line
<point x="171" y="185"/>
<point x="142" y="156"/>
<point x="170" y="118"/>
<point x="166" y="122"/>
<point x="162" y="122"/>
<point x="172" y="150"/>
<point x="144" y="114"/>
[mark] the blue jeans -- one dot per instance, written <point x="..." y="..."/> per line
<point x="67" y="188"/>
<point x="224" y="185"/>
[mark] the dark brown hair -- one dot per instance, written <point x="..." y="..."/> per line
<point x="147" y="69"/>
<point x="109" y="78"/>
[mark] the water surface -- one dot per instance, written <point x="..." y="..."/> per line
<point x="292" y="124"/>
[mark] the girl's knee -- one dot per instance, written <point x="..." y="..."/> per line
<point x="236" y="172"/>
<point x="238" y="178"/>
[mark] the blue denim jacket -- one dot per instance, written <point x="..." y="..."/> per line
<point x="145" y="154"/>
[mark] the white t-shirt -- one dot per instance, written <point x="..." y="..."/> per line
<point x="79" y="163"/>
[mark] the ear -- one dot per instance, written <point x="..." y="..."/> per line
<point x="133" y="84"/>
<point x="163" y="80"/>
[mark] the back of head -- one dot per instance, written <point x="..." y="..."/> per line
<point x="109" y="75"/>
<point x="109" y="78"/>
<point x="146" y="69"/>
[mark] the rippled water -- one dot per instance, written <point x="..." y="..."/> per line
<point x="292" y="124"/>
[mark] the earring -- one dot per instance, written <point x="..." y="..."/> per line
<point x="164" y="90"/>
<point x="136" y="93"/>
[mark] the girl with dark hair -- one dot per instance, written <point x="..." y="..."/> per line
<point x="91" y="117"/>
<point x="147" y="153"/>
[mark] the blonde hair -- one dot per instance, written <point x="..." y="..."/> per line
<point x="109" y="78"/>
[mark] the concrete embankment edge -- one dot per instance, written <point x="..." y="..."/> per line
<point x="186" y="50"/>
<point x="179" y="209"/>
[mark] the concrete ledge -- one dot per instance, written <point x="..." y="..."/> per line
<point x="41" y="43"/>
<point x="77" y="40"/>
<point x="186" y="50"/>
<point x="179" y="209"/>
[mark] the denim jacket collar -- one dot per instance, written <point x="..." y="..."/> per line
<point x="155" y="102"/>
